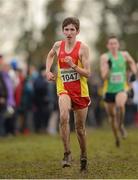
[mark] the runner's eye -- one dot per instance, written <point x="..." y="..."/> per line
<point x="72" y="29"/>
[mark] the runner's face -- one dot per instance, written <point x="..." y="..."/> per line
<point x="70" y="32"/>
<point x="113" y="45"/>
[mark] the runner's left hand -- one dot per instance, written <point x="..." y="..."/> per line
<point x="132" y="78"/>
<point x="69" y="61"/>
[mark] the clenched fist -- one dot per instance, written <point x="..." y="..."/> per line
<point x="69" y="61"/>
<point x="50" y="76"/>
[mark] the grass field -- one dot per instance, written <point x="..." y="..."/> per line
<point x="39" y="156"/>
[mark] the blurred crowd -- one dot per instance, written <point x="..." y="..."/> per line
<point x="29" y="104"/>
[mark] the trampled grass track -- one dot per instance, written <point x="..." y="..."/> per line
<point x="39" y="156"/>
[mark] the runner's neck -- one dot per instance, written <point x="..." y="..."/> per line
<point x="69" y="46"/>
<point x="115" y="54"/>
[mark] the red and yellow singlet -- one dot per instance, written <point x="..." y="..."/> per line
<point x="68" y="80"/>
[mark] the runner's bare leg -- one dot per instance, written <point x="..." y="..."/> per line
<point x="64" y="108"/>
<point x="80" y="119"/>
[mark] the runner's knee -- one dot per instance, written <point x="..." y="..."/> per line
<point x="64" y="114"/>
<point x="121" y="105"/>
<point x="80" y="129"/>
<point x="64" y="118"/>
<point x="112" y="114"/>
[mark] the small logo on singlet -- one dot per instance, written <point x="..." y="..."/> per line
<point x="62" y="60"/>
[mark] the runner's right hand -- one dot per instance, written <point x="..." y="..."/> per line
<point x="50" y="76"/>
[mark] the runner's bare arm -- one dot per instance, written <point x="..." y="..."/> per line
<point x="49" y="61"/>
<point x="50" y="56"/>
<point x="104" y="67"/>
<point x="85" y="59"/>
<point x="131" y="62"/>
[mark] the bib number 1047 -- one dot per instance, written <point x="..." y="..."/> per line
<point x="70" y="77"/>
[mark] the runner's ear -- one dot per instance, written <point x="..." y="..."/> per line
<point x="78" y="32"/>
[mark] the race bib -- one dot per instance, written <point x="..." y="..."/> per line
<point x="116" y="78"/>
<point x="69" y="75"/>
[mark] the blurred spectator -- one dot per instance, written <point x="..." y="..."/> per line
<point x="95" y="114"/>
<point x="19" y="87"/>
<point x="135" y="99"/>
<point x="26" y="106"/>
<point x="54" y="115"/>
<point x="10" y="104"/>
<point x="135" y="89"/>
<point x="18" y="96"/>
<point x="131" y="105"/>
<point x="41" y="101"/>
<point x="3" y="102"/>
<point x="12" y="73"/>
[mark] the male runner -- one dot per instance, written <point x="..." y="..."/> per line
<point x="113" y="71"/>
<point x="73" y="71"/>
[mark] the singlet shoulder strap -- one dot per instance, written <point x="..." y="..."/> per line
<point x="62" y="47"/>
<point x="78" y="44"/>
